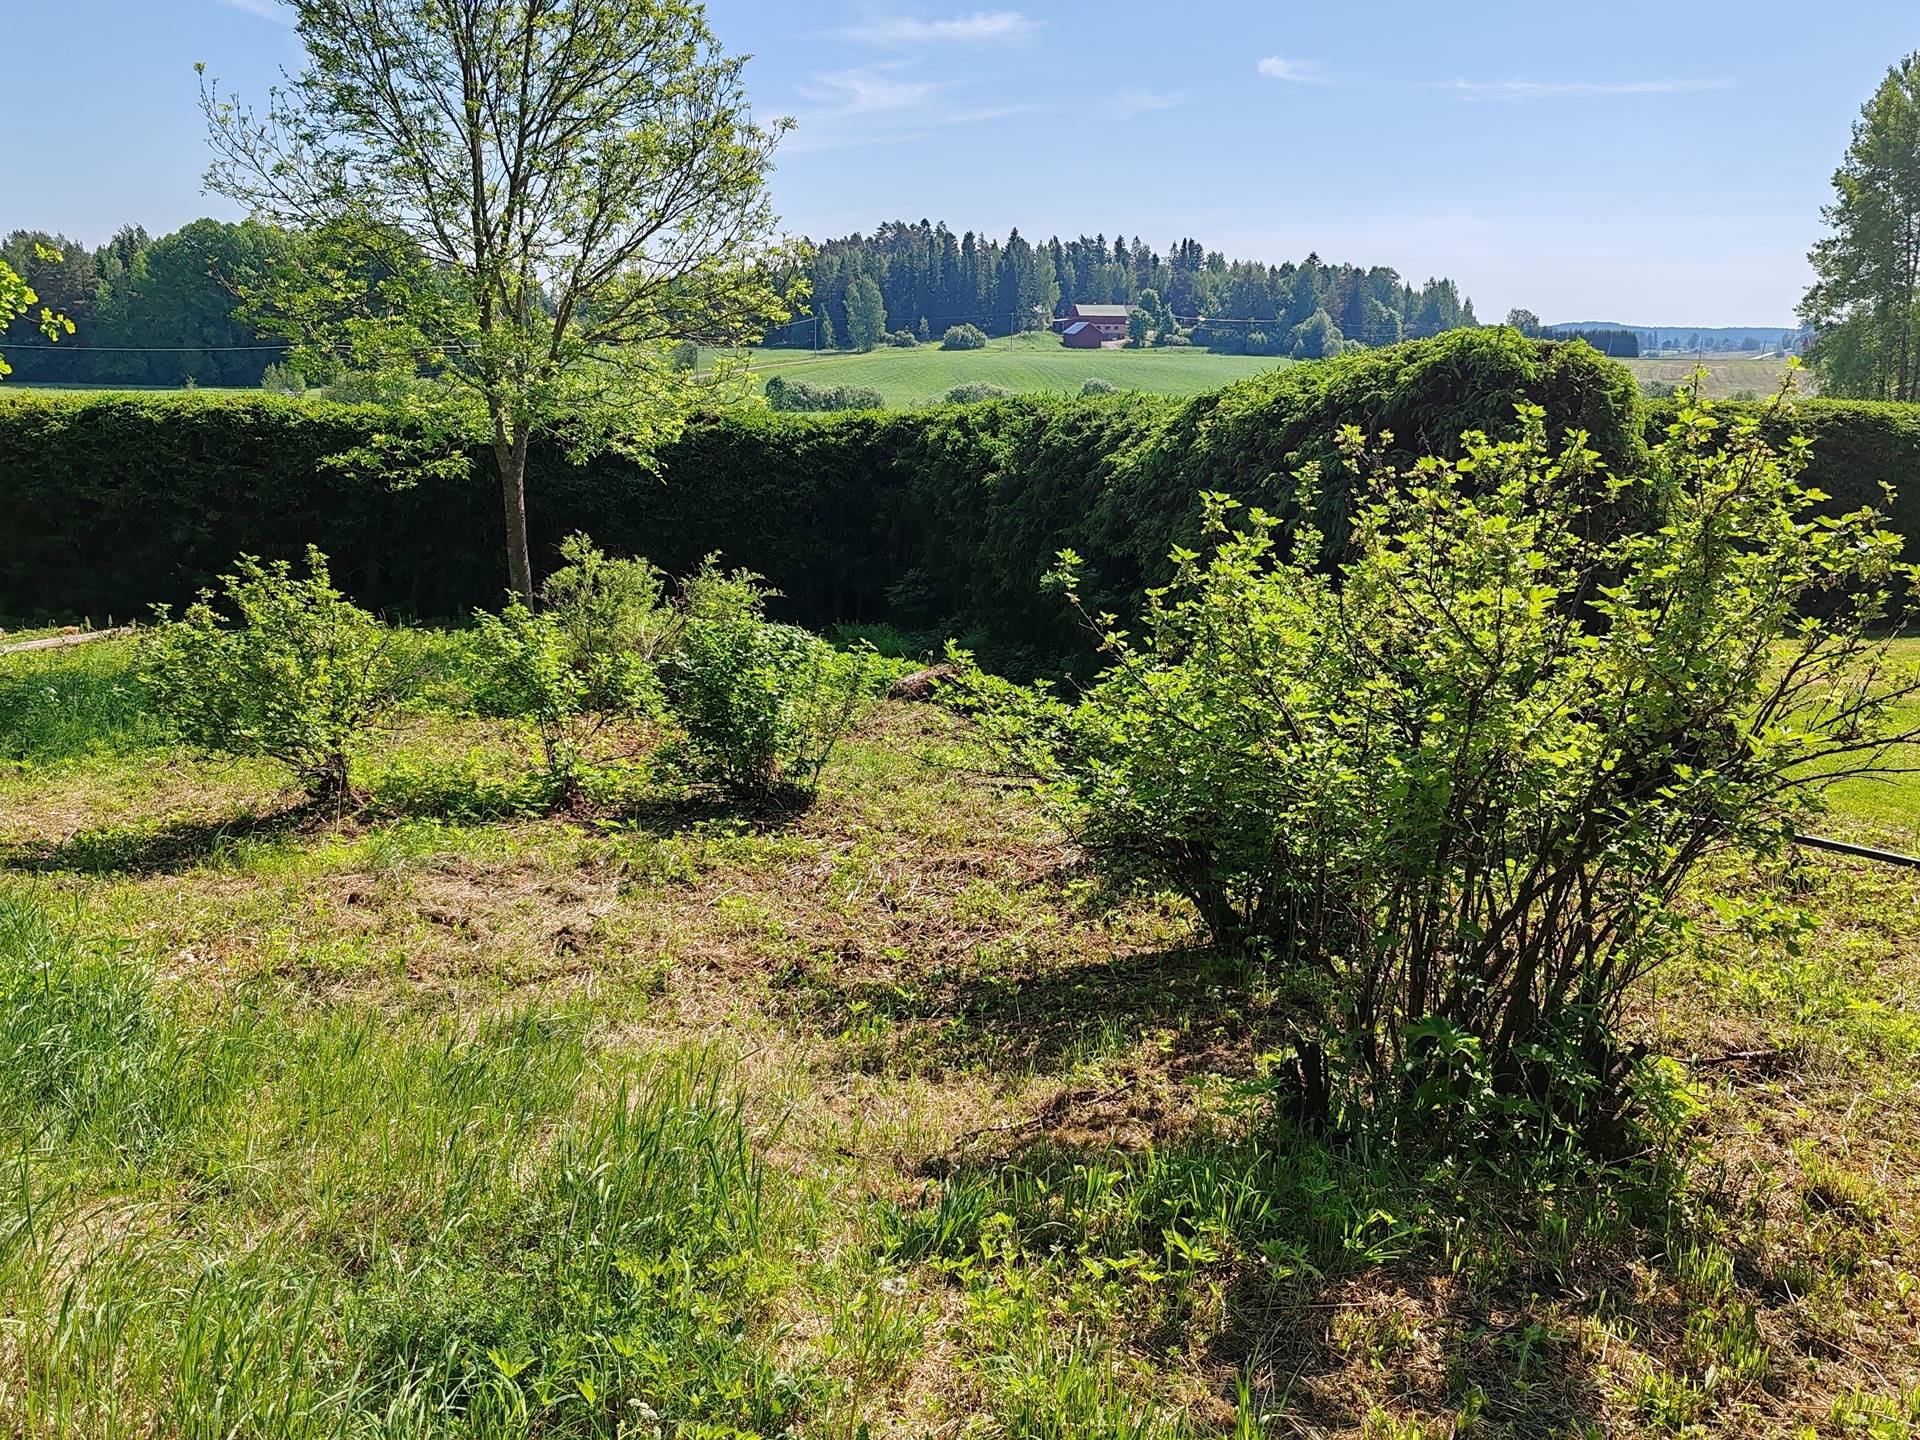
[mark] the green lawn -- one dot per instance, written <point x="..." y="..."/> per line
<point x="924" y="374"/>
<point x="444" y="1117"/>
<point x="1890" y="807"/>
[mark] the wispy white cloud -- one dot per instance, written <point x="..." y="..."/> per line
<point x="1513" y="90"/>
<point x="847" y="131"/>
<point x="979" y="27"/>
<point x="265" y="9"/>
<point x="865" y="91"/>
<point x="979" y="114"/>
<point x="878" y="104"/>
<point x="1135" y="100"/>
<point x="1296" y="72"/>
<point x="884" y="100"/>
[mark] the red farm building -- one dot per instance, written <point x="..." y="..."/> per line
<point x="1088" y="327"/>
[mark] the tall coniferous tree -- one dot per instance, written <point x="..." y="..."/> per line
<point x="1864" y="304"/>
<point x="927" y="275"/>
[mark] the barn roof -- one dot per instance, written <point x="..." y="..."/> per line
<point x="1103" y="312"/>
<point x="1075" y="328"/>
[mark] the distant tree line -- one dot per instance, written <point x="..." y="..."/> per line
<point x="1620" y="344"/>
<point x="1721" y="341"/>
<point x="168" y="312"/>
<point x="145" y="311"/>
<point x="924" y="278"/>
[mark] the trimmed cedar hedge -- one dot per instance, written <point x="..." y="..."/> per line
<point x="935" y="518"/>
<point x="1861" y="450"/>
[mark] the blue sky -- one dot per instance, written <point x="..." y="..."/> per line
<point x="1641" y="162"/>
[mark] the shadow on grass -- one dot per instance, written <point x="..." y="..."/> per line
<point x="1328" y="1278"/>
<point x="1197" y="999"/>
<point x="1329" y="1274"/>
<point x="181" y="844"/>
<point x="163" y="849"/>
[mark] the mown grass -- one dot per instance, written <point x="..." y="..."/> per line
<point x="449" y="1117"/>
<point x="1021" y="364"/>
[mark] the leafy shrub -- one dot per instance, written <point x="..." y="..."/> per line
<point x="903" y="339"/>
<point x="762" y="706"/>
<point x="529" y="675"/>
<point x="974" y="392"/>
<point x="964" y="337"/>
<point x="1097" y="386"/>
<point x="614" y="616"/>
<point x="1452" y="781"/>
<point x="298" y="677"/>
<point x="470" y="787"/>
<point x="1316" y="338"/>
<point x="584" y="663"/>
<point x="799" y="395"/>
<point x="360" y="387"/>
<point x="907" y="650"/>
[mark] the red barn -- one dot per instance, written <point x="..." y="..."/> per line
<point x="1087" y="327"/>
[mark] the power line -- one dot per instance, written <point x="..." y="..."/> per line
<point x="77" y="349"/>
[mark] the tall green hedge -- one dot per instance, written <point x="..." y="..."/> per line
<point x="935" y="517"/>
<point x="1862" y="449"/>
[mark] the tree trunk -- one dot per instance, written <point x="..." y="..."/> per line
<point x="510" y="453"/>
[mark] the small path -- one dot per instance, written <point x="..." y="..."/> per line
<point x="56" y="642"/>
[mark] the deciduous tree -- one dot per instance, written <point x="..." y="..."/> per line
<point x="1865" y="300"/>
<point x="19" y="298"/>
<point x="866" y="314"/>
<point x="547" y="193"/>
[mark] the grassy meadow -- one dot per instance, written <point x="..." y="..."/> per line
<point x="1029" y="364"/>
<point x="443" y="1116"/>
<point x="1022" y="364"/>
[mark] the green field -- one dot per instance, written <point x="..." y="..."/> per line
<point x="1023" y="365"/>
<point x="1727" y="375"/>
<point x="1027" y="363"/>
<point x="1040" y="363"/>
